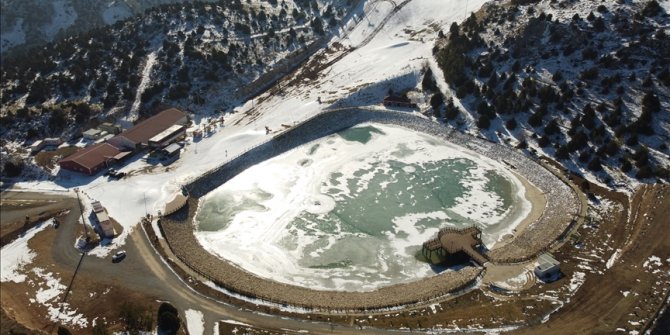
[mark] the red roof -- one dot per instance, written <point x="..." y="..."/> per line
<point x="143" y="131"/>
<point x="92" y="156"/>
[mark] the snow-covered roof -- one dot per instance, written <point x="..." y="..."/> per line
<point x="145" y="130"/>
<point x="163" y="135"/>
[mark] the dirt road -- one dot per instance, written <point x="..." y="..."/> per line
<point x="601" y="304"/>
<point x="144" y="272"/>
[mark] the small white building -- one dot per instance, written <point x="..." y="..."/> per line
<point x="92" y="134"/>
<point x="548" y="268"/>
<point x="107" y="230"/>
<point x="53" y="141"/>
<point x="37" y="146"/>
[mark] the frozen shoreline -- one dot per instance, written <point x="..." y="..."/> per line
<point x="267" y="198"/>
<point x="562" y="206"/>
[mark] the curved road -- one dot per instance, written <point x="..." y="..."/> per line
<point x="144" y="271"/>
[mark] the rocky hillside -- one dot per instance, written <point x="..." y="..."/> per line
<point x="198" y="55"/>
<point x="585" y="82"/>
<point x="29" y="23"/>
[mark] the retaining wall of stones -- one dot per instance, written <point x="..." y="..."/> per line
<point x="562" y="207"/>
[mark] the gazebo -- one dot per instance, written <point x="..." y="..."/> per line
<point x="455" y="246"/>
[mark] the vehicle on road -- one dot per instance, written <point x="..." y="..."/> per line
<point x="114" y="174"/>
<point x="119" y="256"/>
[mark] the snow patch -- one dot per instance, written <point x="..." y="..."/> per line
<point x="613" y="258"/>
<point x="13" y="37"/>
<point x="117" y="10"/>
<point x="195" y="322"/>
<point x="17" y="254"/>
<point x="64" y="16"/>
<point x="576" y="281"/>
<point x="652" y="261"/>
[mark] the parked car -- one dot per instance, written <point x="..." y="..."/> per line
<point x="119" y="256"/>
<point x="116" y="174"/>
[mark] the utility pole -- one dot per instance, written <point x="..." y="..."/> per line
<point x="81" y="211"/>
<point x="146" y="213"/>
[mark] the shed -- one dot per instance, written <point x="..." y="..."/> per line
<point x="53" y="141"/>
<point x="105" y="138"/>
<point x="172" y="150"/>
<point x="547" y="268"/>
<point x="37" y="146"/>
<point x="106" y="227"/>
<point x="92" y="134"/>
<point x="110" y="128"/>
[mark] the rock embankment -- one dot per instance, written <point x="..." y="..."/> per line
<point x="179" y="234"/>
<point x="562" y="207"/>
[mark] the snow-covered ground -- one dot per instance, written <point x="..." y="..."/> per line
<point x="115" y="11"/>
<point x="127" y="121"/>
<point x="49" y="294"/>
<point x="16" y="255"/>
<point x="391" y="60"/>
<point x="64" y="16"/>
<point x="12" y="37"/>
<point x="194" y="322"/>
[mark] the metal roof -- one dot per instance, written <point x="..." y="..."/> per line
<point x="143" y="131"/>
<point x="172" y="148"/>
<point x="93" y="156"/>
<point x="160" y="137"/>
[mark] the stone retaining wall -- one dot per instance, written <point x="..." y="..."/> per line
<point x="562" y="206"/>
<point x="179" y="234"/>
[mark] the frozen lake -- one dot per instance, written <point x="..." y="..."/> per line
<point x="351" y="210"/>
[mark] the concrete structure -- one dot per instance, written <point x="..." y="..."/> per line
<point x="548" y="268"/>
<point x="92" y="134"/>
<point x="172" y="150"/>
<point x="106" y="228"/>
<point x="36" y="147"/>
<point x="39" y="145"/>
<point x="110" y="128"/>
<point x="455" y="246"/>
<point x="53" y="141"/>
<point x="139" y="135"/>
<point x="177" y="203"/>
<point x="92" y="159"/>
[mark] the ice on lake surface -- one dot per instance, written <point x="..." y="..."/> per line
<point x="351" y="210"/>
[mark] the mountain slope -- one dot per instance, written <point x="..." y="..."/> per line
<point x="589" y="91"/>
<point x="173" y="54"/>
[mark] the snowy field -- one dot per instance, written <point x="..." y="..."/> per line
<point x="17" y="254"/>
<point x="49" y="287"/>
<point x="350" y="211"/>
<point x="194" y="321"/>
<point x="393" y="57"/>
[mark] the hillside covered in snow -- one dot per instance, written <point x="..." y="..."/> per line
<point x="172" y="55"/>
<point x="29" y="23"/>
<point x="585" y="82"/>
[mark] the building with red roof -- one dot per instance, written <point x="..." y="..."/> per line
<point x="92" y="159"/>
<point x="141" y="134"/>
<point x="157" y="131"/>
